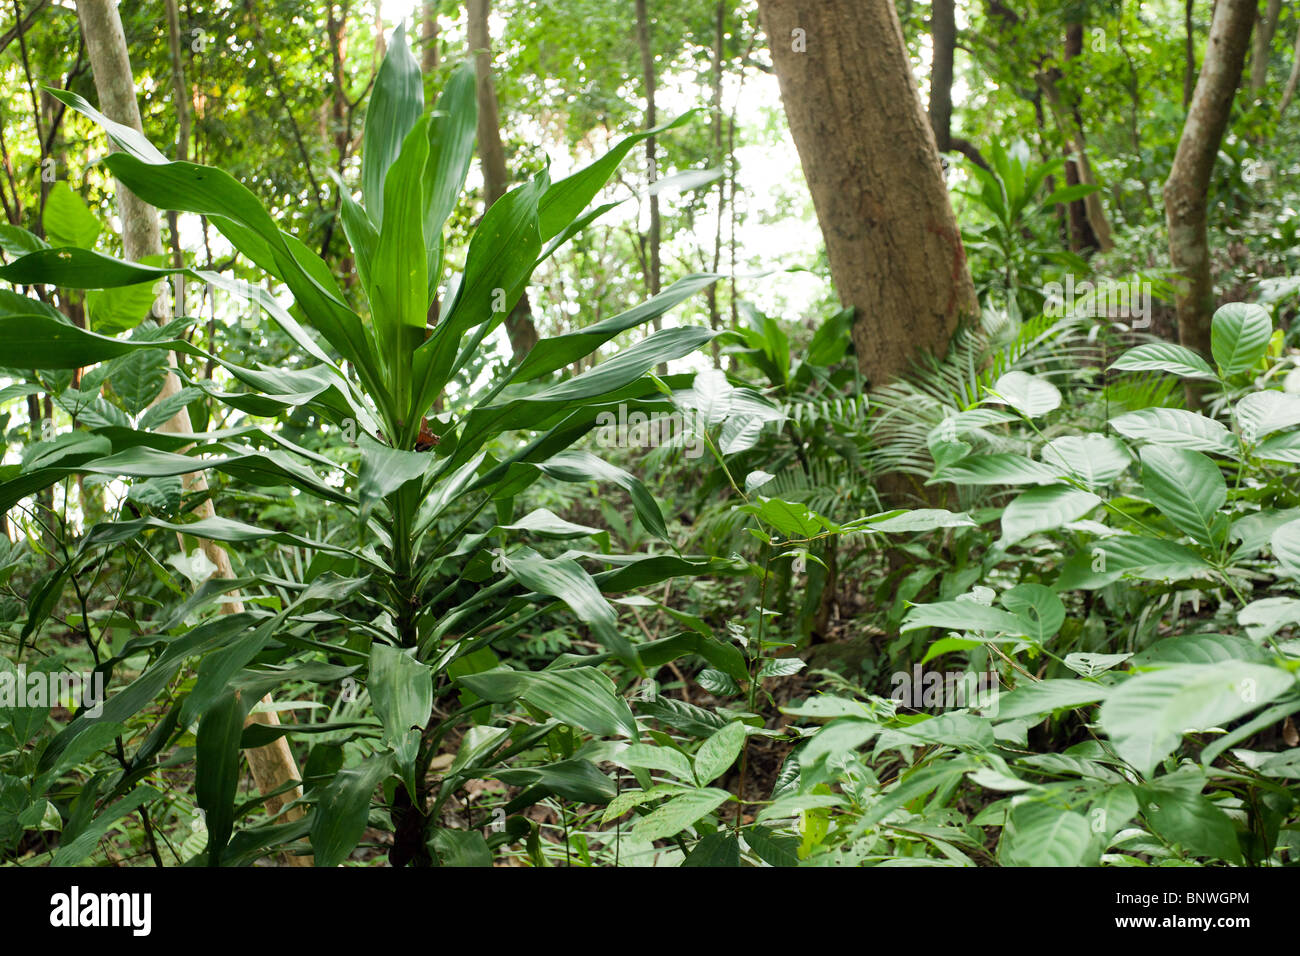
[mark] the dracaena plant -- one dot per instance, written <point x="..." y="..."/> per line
<point x="440" y="566"/>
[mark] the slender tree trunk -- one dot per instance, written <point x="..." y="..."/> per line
<point x="720" y="160"/>
<point x="429" y="36"/>
<point x="273" y="765"/>
<point x="180" y="102"/>
<point x="1082" y="235"/>
<point x="654" y="239"/>
<point x="519" y="323"/>
<point x="1289" y="93"/>
<point x="1096" y="235"/>
<point x="873" y="170"/>
<point x="943" y="35"/>
<point x="1186" y="190"/>
<point x="1189" y="53"/>
<point x="1263" y="46"/>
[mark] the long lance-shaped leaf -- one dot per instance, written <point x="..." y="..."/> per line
<point x="501" y="257"/>
<point x="452" y="127"/>
<point x="556" y="353"/>
<point x="72" y="268"/>
<point x="395" y="106"/>
<point x="217" y="771"/>
<point x="398" y="284"/>
<point x="565" y="200"/>
<point x="621" y="370"/>
<point x="584" y="466"/>
<point x="262" y="468"/>
<point x="221" y="529"/>
<point x="238" y="214"/>
<point x="567" y="580"/>
<point x="67" y="346"/>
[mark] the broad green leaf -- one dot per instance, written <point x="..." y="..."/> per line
<point x="67" y="221"/>
<point x="1031" y="395"/>
<point x="565" y="579"/>
<point x="1200" y="649"/>
<point x="718" y="849"/>
<point x="1001" y="468"/>
<point x="655" y="757"/>
<point x="962" y="616"/>
<point x="919" y="519"/>
<point x="678" y="814"/>
<point x="1239" y="334"/>
<point x="1164" y="357"/>
<point x="384" y="470"/>
<point x="460" y="848"/>
<point x="555" y="353"/>
<point x="1176" y="427"/>
<point x="576" y="779"/>
<point x="1094" y="459"/>
<point x="772" y="848"/>
<point x="1046" y="696"/>
<point x="1286" y="547"/>
<point x="1189" y="490"/>
<point x="719" y="752"/>
<point x="1147" y="715"/>
<point x="1192" y="821"/>
<point x="1259" y="414"/>
<point x="398" y="277"/>
<point x="1038" y="607"/>
<point x="1044" y="508"/>
<point x="1041" y="834"/>
<point x="575" y="465"/>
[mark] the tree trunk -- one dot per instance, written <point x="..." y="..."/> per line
<point x="873" y="170"/>
<point x="1289" y="93"/>
<point x="1186" y="190"/>
<point x="429" y="36"/>
<point x="1263" y="46"/>
<point x="1072" y="133"/>
<point x="654" y="239"/>
<point x="719" y="160"/>
<point x="1189" y="53"/>
<point x="272" y="766"/>
<point x="1082" y="235"/>
<point x="943" y="36"/>
<point x="519" y="323"/>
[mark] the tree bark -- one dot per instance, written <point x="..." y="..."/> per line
<point x="1189" y="53"/>
<point x="873" y="170"/>
<point x="1289" y="93"/>
<point x="943" y="37"/>
<point x="1186" y="190"/>
<point x="519" y="323"/>
<point x="1076" y="145"/>
<point x="429" y="36"/>
<point x="654" y="271"/>
<point x="1082" y="235"/>
<point x="1263" y="46"/>
<point x="272" y="766"/>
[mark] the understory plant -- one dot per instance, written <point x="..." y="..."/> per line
<point x="1139" y="600"/>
